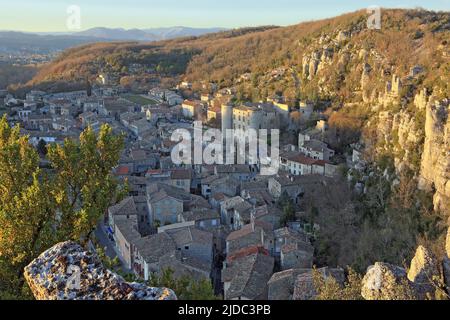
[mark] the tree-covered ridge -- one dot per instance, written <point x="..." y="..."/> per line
<point x="223" y="57"/>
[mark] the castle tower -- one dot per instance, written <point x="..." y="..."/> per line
<point x="227" y="117"/>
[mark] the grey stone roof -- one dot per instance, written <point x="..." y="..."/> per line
<point x="153" y="247"/>
<point x="188" y="235"/>
<point x="174" y="192"/>
<point x="281" y="284"/>
<point x="182" y="266"/>
<point x="128" y="227"/>
<point x="201" y="214"/>
<point x="248" y="276"/>
<point x="125" y="207"/>
<point x="231" y="202"/>
<point x="254" y="185"/>
<point x="315" y="145"/>
<point x="181" y="174"/>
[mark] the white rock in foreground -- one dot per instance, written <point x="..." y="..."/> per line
<point x="69" y="272"/>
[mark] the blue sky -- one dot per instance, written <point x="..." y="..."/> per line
<point x="50" y="15"/>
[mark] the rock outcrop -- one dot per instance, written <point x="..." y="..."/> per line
<point x="423" y="270"/>
<point x="384" y="281"/>
<point x="435" y="166"/>
<point x="447" y="243"/>
<point x="68" y="272"/>
<point x="446" y="262"/>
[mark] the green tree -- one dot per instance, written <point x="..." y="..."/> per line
<point x="288" y="213"/>
<point x="84" y="184"/>
<point x="185" y="287"/>
<point x="39" y="208"/>
<point x="26" y="211"/>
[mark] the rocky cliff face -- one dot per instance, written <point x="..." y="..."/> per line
<point x="435" y="165"/>
<point x="411" y="125"/>
<point x="68" y="272"/>
<point x="384" y="281"/>
<point x="388" y="282"/>
<point x="422" y="147"/>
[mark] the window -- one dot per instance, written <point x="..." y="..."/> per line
<point x="186" y="247"/>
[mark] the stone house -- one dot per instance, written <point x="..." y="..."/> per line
<point x="125" y="235"/>
<point x="257" y="233"/>
<point x="316" y="149"/>
<point x="185" y="266"/>
<point x="267" y="213"/>
<point x="281" y="284"/>
<point x="297" y="284"/>
<point x="164" y="208"/>
<point x="193" y="242"/>
<point x="126" y="207"/>
<point x="242" y="215"/>
<point x="216" y="199"/>
<point x="137" y="185"/>
<point x="293" y="256"/>
<point x="245" y="277"/>
<point x="214" y="112"/>
<point x="143" y="160"/>
<point x="144" y="225"/>
<point x="296" y="163"/>
<point x="149" y="250"/>
<point x="191" y="109"/>
<point x="205" y="219"/>
<point x="282" y="184"/>
<point x="227" y="209"/>
<point x="293" y="249"/>
<point x="181" y="178"/>
<point x="240" y="172"/>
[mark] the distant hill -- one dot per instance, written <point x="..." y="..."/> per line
<point x="118" y="34"/>
<point x="407" y="38"/>
<point x="13" y="42"/>
<point x="178" y="32"/>
<point x="146" y="34"/>
<point x="43" y="43"/>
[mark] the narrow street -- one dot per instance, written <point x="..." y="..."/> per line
<point x="103" y="240"/>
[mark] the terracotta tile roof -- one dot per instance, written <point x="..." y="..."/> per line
<point x="247" y="251"/>
<point x="123" y="170"/>
<point x="181" y="174"/>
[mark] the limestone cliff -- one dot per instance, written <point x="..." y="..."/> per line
<point x="68" y="272"/>
<point x="407" y="99"/>
<point x="435" y="165"/>
<point x="384" y="281"/>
